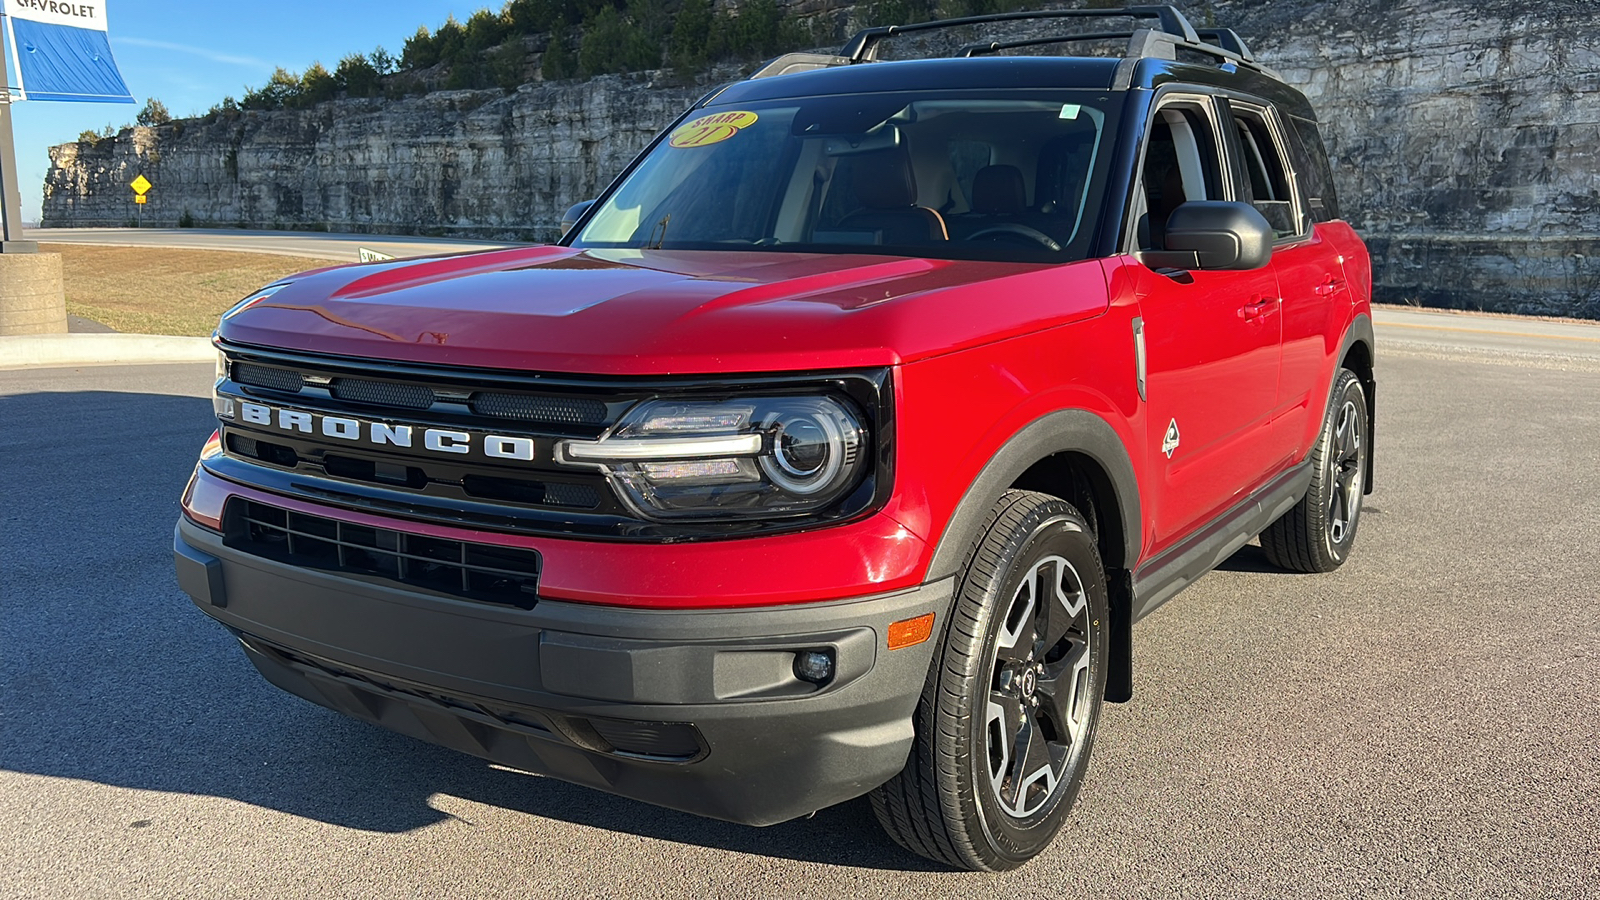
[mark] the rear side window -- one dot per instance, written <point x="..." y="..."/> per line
<point x="1263" y="176"/>
<point x="1310" y="160"/>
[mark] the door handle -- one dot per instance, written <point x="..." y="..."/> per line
<point x="1329" y="288"/>
<point x="1255" y="309"/>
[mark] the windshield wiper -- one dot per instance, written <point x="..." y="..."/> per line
<point x="658" y="233"/>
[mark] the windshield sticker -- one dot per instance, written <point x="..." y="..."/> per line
<point x="1070" y="110"/>
<point x="708" y="130"/>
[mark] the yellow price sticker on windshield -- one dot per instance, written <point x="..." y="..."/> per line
<point x="708" y="130"/>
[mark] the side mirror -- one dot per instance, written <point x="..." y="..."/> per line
<point x="1214" y="234"/>
<point x="573" y="214"/>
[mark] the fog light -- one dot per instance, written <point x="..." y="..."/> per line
<point x="815" y="666"/>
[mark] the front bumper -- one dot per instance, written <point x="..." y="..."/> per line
<point x="694" y="710"/>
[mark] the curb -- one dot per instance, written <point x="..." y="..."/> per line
<point x="25" y="351"/>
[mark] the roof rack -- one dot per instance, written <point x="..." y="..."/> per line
<point x="1227" y="39"/>
<point x="983" y="48"/>
<point x="1171" y="33"/>
<point x="864" y="46"/>
<point x="1226" y="45"/>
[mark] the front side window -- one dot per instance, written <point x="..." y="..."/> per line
<point x="986" y="175"/>
<point x="1180" y="164"/>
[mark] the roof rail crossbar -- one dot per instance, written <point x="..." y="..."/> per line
<point x="1227" y="39"/>
<point x="864" y="46"/>
<point x="981" y="48"/>
<point x="1143" y="43"/>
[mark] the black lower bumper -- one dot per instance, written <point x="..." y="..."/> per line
<point x="694" y="710"/>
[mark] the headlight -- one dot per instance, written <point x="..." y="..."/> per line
<point x="744" y="458"/>
<point x="222" y="406"/>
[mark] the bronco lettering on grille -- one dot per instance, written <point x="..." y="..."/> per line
<point x="437" y="440"/>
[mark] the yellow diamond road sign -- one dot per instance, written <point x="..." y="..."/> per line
<point x="140" y="185"/>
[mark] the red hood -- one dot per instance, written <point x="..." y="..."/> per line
<point x="624" y="312"/>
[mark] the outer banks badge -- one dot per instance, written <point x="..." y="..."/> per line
<point x="1169" y="443"/>
<point x="712" y="129"/>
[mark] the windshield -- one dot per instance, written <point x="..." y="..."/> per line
<point x="988" y="175"/>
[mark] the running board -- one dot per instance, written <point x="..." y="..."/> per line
<point x="1162" y="577"/>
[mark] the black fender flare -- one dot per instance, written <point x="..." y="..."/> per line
<point x="1360" y="332"/>
<point x="1070" y="430"/>
<point x="1064" y="431"/>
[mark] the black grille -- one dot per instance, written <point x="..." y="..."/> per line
<point x="503" y="575"/>
<point x="266" y="451"/>
<point x="556" y="410"/>
<point x="382" y="393"/>
<point x="538" y="493"/>
<point x="284" y="380"/>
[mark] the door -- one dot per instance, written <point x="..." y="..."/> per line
<point x="1212" y="340"/>
<point x="1309" y="270"/>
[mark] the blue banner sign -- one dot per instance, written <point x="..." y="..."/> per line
<point x="61" y="52"/>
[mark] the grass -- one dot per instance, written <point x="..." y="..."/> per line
<point x="154" y="290"/>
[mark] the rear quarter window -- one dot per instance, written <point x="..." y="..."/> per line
<point x="1310" y="160"/>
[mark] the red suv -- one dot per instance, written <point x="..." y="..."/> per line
<point x="835" y="449"/>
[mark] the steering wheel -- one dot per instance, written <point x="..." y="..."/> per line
<point x="1012" y="229"/>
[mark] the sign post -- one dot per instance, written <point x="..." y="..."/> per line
<point x="68" y="58"/>
<point x="141" y="186"/>
<point x="10" y="195"/>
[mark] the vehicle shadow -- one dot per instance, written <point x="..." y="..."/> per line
<point x="1250" y="558"/>
<point x="112" y="675"/>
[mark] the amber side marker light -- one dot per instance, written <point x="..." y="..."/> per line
<point x="910" y="632"/>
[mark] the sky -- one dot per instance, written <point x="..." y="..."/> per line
<point x="189" y="54"/>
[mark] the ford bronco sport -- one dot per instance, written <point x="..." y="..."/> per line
<point x="834" y="450"/>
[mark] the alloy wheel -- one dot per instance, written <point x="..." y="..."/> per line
<point x="1345" y="472"/>
<point x="1039" y="705"/>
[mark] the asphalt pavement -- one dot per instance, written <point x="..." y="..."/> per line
<point x="1422" y="723"/>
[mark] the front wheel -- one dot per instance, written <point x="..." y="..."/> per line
<point x="1316" y="535"/>
<point x="1009" y="711"/>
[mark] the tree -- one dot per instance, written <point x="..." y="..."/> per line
<point x="690" y="45"/>
<point x="316" y="85"/>
<point x="280" y="90"/>
<point x="612" y="43"/>
<point x="420" y="50"/>
<point x="357" y="76"/>
<point x="558" y="61"/>
<point x="483" y="32"/>
<point x="382" y="61"/>
<point x="449" y="41"/>
<point x="507" y="63"/>
<point x="154" y="113"/>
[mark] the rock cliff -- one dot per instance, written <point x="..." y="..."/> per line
<point x="451" y="162"/>
<point x="1464" y="135"/>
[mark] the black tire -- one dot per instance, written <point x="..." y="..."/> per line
<point x="1317" y="534"/>
<point x="1047" y="685"/>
